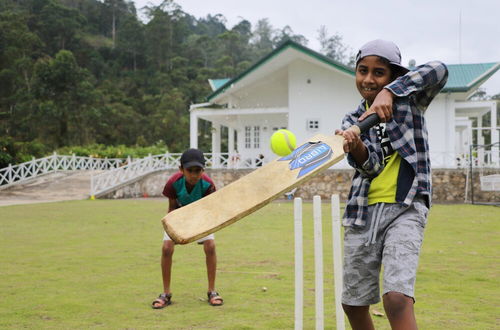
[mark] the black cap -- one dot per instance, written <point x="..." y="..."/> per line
<point x="192" y="158"/>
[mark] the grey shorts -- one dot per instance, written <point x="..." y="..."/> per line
<point x="394" y="241"/>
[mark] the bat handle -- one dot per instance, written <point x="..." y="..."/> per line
<point x="366" y="124"/>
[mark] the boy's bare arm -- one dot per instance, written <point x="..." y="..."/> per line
<point x="354" y="146"/>
<point x="172" y="204"/>
<point x="382" y="106"/>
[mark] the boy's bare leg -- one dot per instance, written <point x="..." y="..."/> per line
<point x="166" y="264"/>
<point x="211" y="261"/>
<point x="359" y="317"/>
<point x="399" y="310"/>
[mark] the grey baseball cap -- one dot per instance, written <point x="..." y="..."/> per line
<point x="382" y="48"/>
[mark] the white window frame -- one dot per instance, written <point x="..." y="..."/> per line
<point x="313" y="124"/>
<point x="252" y="137"/>
<point x="256" y="137"/>
<point x="248" y="137"/>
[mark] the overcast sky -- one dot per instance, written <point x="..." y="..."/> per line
<point x="453" y="31"/>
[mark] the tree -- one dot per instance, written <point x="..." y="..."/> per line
<point x="130" y="40"/>
<point x="18" y="51"/>
<point x="165" y="33"/>
<point x="211" y="26"/>
<point x="262" y="37"/>
<point x="59" y="25"/>
<point x="67" y="100"/>
<point x="200" y="48"/>
<point x="479" y="95"/>
<point x="96" y="13"/>
<point x="171" y="122"/>
<point x="118" y="10"/>
<point x="333" y="47"/>
<point x="231" y="46"/>
<point x="287" y="34"/>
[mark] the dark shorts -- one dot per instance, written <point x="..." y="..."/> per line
<point x="393" y="241"/>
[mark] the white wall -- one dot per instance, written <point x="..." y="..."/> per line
<point x="268" y="92"/>
<point x="440" y="119"/>
<point x="316" y="92"/>
<point x="266" y="124"/>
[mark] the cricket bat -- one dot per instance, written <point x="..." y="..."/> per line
<point x="256" y="189"/>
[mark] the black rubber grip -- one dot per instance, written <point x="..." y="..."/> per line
<point x="368" y="122"/>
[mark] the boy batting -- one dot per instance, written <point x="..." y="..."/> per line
<point x="390" y="196"/>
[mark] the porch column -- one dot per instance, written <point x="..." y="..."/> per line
<point x="479" y="136"/>
<point x="448" y="159"/>
<point x="231" y="160"/>
<point x="230" y="140"/>
<point x="216" y="130"/>
<point x="480" y="140"/>
<point x="193" y="129"/>
<point x="494" y="135"/>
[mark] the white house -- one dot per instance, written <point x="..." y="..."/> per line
<point x="299" y="89"/>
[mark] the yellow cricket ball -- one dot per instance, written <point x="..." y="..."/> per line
<point x="283" y="142"/>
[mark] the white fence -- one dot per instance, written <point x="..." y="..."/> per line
<point x="36" y="167"/>
<point x="486" y="159"/>
<point x="120" y="171"/>
<point x="103" y="183"/>
<point x="109" y="180"/>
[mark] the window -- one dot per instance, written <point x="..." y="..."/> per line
<point x="248" y="137"/>
<point x="313" y="125"/>
<point x="252" y="137"/>
<point x="256" y="137"/>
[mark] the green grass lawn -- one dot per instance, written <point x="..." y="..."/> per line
<point x="95" y="264"/>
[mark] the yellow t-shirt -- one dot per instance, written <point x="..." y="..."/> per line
<point x="383" y="188"/>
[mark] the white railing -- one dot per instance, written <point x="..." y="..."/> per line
<point x="108" y="181"/>
<point x="36" y="167"/>
<point x="120" y="171"/>
<point x="487" y="159"/>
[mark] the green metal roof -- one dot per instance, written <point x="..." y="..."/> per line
<point x="463" y="77"/>
<point x="217" y="83"/>
<point x="285" y="45"/>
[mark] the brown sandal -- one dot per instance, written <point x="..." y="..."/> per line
<point x="214" y="299"/>
<point x="163" y="299"/>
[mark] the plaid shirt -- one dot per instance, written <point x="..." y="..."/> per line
<point x="408" y="135"/>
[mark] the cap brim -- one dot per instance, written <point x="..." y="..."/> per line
<point x="400" y="67"/>
<point x="193" y="164"/>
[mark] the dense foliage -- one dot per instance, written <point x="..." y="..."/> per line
<point x="118" y="151"/>
<point x="84" y="72"/>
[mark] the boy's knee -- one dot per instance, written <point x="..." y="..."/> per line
<point x="209" y="247"/>
<point x="396" y="303"/>
<point x="167" y="248"/>
<point x="355" y="310"/>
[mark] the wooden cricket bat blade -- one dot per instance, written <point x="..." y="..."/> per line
<point x="253" y="191"/>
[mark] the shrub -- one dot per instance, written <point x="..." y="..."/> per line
<point x="18" y="152"/>
<point x="119" y="151"/>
